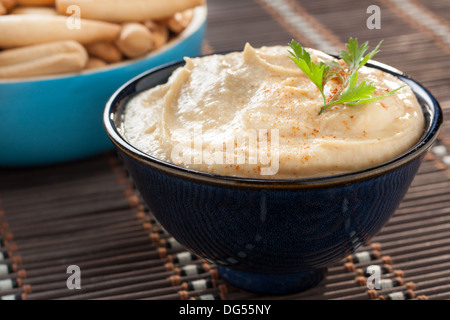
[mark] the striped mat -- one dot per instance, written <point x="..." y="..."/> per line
<point x="88" y="213"/>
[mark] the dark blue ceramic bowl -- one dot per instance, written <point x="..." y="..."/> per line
<point x="270" y="236"/>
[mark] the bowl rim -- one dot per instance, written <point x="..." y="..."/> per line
<point x="198" y="19"/>
<point x="432" y="109"/>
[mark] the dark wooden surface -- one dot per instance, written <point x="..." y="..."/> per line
<point x="88" y="213"/>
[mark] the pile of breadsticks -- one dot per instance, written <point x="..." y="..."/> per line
<point x="49" y="37"/>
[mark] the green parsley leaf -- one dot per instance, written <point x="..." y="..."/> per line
<point x="372" y="99"/>
<point x="350" y="92"/>
<point x="354" y="92"/>
<point x="317" y="73"/>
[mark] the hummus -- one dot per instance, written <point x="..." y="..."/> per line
<point x="256" y="114"/>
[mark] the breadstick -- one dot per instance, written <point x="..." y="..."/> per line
<point x="95" y="63"/>
<point x="34" y="10"/>
<point x="160" y="33"/>
<point x="36" y="2"/>
<point x="23" y="54"/>
<point x="43" y="59"/>
<point x="134" y="40"/>
<point x="180" y="20"/>
<point x="106" y="51"/>
<point x="8" y="4"/>
<point x="23" y="30"/>
<point x="127" y="10"/>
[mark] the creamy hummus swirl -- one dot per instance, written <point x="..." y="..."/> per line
<point x="256" y="114"/>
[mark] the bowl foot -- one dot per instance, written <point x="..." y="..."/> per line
<point x="276" y="284"/>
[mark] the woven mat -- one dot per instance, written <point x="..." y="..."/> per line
<point x="88" y="213"/>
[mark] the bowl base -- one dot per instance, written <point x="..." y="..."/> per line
<point x="276" y="284"/>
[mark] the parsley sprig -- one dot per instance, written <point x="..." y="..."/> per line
<point x="350" y="92"/>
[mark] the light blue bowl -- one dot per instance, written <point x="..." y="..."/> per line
<point x="56" y="119"/>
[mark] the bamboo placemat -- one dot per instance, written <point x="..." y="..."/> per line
<point x="88" y="213"/>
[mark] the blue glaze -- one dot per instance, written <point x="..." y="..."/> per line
<point x="271" y="230"/>
<point x="269" y="236"/>
<point x="60" y="118"/>
<point x="272" y="283"/>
